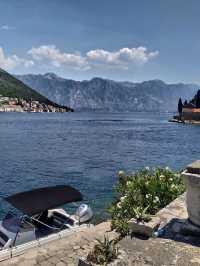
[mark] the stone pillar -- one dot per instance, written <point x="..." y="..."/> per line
<point x="191" y="176"/>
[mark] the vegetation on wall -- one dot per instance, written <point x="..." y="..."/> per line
<point x="142" y="194"/>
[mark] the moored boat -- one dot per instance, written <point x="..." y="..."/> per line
<point x="41" y="221"/>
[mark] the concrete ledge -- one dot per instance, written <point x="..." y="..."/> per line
<point x="176" y="209"/>
<point x="145" y="229"/>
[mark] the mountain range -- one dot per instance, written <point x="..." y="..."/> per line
<point x="108" y="95"/>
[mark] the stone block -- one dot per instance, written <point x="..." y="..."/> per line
<point x="194" y="167"/>
<point x="145" y="229"/>
<point x="191" y="178"/>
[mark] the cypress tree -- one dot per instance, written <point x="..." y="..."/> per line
<point x="198" y="99"/>
<point x="180" y="106"/>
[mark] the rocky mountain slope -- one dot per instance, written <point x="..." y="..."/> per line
<point x="107" y="95"/>
<point x="13" y="88"/>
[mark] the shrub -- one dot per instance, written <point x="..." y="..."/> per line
<point x="141" y="214"/>
<point x="142" y="194"/>
<point x="103" y="252"/>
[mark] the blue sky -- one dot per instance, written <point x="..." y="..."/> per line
<point x="121" y="40"/>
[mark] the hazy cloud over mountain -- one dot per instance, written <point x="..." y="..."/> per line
<point x="52" y="55"/>
<point x="123" y="58"/>
<point x="13" y="61"/>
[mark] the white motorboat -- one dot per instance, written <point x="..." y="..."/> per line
<point x="41" y="221"/>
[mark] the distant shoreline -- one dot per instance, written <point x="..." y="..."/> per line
<point x="8" y="104"/>
<point x="19" y="109"/>
<point x="174" y="120"/>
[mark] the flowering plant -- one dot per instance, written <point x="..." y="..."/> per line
<point x="142" y="194"/>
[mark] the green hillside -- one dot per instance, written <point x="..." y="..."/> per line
<point x="14" y="88"/>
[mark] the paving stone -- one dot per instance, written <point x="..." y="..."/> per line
<point x="76" y="247"/>
<point x="46" y="263"/>
<point x="61" y="264"/>
<point x="85" y="246"/>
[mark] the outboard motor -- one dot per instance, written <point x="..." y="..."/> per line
<point x="84" y="213"/>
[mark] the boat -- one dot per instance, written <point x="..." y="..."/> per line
<point x="41" y="219"/>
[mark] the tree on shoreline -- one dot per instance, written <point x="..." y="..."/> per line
<point x="198" y="99"/>
<point x="180" y="107"/>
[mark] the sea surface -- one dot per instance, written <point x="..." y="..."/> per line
<point x="87" y="150"/>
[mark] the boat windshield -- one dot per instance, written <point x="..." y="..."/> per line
<point x="11" y="222"/>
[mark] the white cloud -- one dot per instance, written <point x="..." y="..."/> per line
<point x="10" y="62"/>
<point x="6" y="27"/>
<point x="123" y="57"/>
<point x="57" y="58"/>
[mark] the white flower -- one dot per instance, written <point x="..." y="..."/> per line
<point x="147" y="196"/>
<point x="162" y="176"/>
<point x="128" y="183"/>
<point x="122" y="199"/>
<point x="119" y="205"/>
<point x="156" y="199"/>
<point x="120" y="173"/>
<point x="167" y="168"/>
<point x="147" y="168"/>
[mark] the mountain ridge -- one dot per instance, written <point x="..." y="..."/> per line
<point x="109" y="95"/>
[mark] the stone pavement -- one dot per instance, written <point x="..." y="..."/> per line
<point x="159" y="252"/>
<point x="65" y="251"/>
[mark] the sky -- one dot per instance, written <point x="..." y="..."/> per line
<point x="132" y="40"/>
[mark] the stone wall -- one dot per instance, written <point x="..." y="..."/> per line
<point x="191" y="114"/>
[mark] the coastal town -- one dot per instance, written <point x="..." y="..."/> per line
<point x="8" y="104"/>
